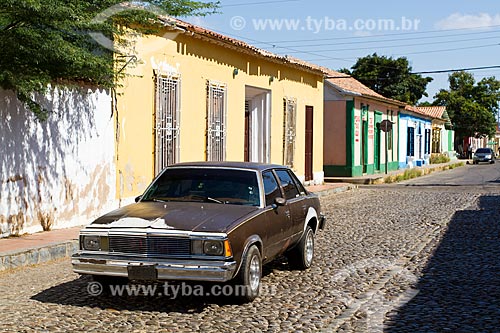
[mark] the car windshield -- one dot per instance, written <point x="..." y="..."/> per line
<point x="222" y="186"/>
<point x="483" y="151"/>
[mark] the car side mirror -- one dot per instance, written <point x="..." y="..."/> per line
<point x="280" y="201"/>
<point x="138" y="198"/>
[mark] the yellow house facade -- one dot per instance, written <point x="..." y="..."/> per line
<point x="195" y="95"/>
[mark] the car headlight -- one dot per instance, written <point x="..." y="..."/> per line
<point x="488" y="156"/>
<point x="213" y="247"/>
<point x="91" y="243"/>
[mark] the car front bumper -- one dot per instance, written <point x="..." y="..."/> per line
<point x="165" y="269"/>
<point x="482" y="159"/>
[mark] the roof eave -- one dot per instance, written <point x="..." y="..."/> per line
<point x="416" y="114"/>
<point x="386" y="100"/>
<point x="239" y="46"/>
<point x="358" y="94"/>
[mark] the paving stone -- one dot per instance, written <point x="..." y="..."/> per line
<point x="392" y="258"/>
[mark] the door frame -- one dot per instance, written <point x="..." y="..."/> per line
<point x="377" y="141"/>
<point x="309" y="143"/>
<point x="257" y="136"/>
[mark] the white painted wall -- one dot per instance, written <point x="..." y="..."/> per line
<point x="60" y="170"/>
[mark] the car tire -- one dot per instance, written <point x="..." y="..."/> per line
<point x="301" y="256"/>
<point x="249" y="278"/>
<point x="107" y="281"/>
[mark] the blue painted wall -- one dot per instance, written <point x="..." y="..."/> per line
<point x="419" y="124"/>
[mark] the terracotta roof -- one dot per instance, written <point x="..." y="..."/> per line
<point x="350" y="86"/>
<point x="237" y="44"/>
<point x="415" y="109"/>
<point x="433" y="111"/>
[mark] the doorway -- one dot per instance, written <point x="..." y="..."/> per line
<point x="257" y="125"/>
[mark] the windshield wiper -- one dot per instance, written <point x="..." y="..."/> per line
<point x="155" y="200"/>
<point x="214" y="200"/>
<point x="197" y="196"/>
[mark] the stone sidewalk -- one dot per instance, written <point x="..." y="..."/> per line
<point x="37" y="248"/>
<point x="42" y="247"/>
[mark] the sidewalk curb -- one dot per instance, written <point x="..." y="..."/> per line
<point x="383" y="178"/>
<point x="38" y="255"/>
<point x="335" y="190"/>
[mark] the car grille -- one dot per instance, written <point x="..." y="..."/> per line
<point x="157" y="246"/>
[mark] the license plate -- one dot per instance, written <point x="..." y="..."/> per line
<point x="142" y="272"/>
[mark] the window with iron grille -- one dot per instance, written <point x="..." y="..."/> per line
<point x="289" y="130"/>
<point x="410" y="143"/>
<point x="166" y="130"/>
<point x="216" y="121"/>
<point x="436" y="140"/>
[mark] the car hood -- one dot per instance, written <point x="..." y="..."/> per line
<point x="186" y="216"/>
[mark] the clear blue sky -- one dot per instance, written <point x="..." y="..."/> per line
<point x="433" y="35"/>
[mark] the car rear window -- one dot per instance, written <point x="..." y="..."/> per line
<point x="226" y="186"/>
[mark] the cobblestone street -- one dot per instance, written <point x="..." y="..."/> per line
<point x="392" y="258"/>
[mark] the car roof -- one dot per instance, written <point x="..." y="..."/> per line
<point x="230" y="164"/>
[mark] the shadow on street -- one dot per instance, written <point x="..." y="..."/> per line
<point x="187" y="300"/>
<point x="460" y="287"/>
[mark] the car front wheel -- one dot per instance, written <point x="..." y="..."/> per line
<point x="250" y="275"/>
<point x="301" y="256"/>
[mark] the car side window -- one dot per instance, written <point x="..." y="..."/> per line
<point x="299" y="185"/>
<point x="288" y="184"/>
<point x="271" y="187"/>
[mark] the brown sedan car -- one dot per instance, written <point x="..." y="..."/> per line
<point x="205" y="221"/>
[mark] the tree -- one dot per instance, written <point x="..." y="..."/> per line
<point x="390" y="77"/>
<point x="48" y="42"/>
<point x="472" y="107"/>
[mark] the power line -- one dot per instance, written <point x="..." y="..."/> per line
<point x="324" y="58"/>
<point x="457" y="70"/>
<point x="453" y="49"/>
<point x="418" y="73"/>
<point x="393" y="40"/>
<point x="379" y="35"/>
<point x="420" y="52"/>
<point x="402" y="45"/>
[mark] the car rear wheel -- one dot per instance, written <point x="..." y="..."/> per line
<point x="248" y="281"/>
<point x="301" y="256"/>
